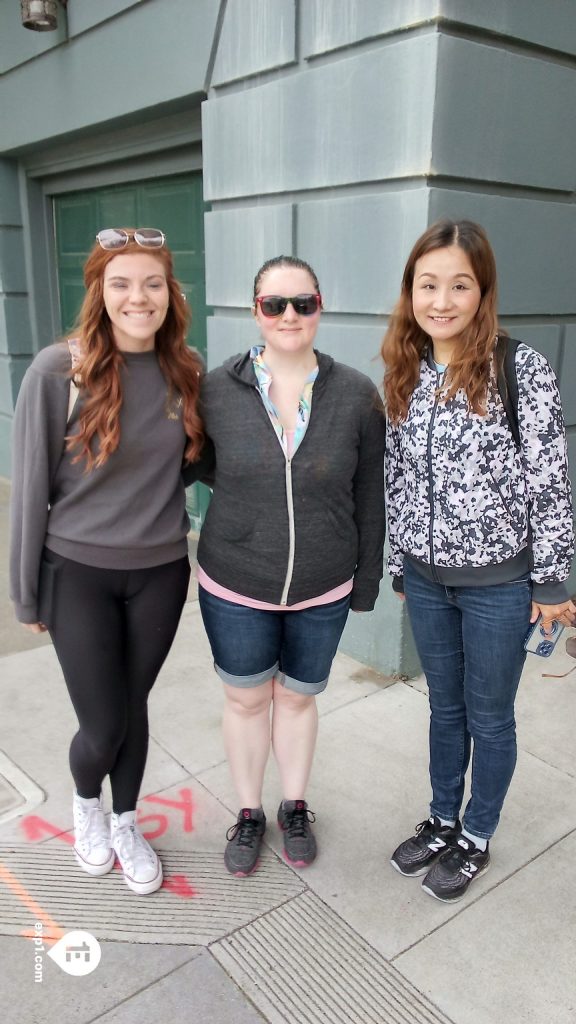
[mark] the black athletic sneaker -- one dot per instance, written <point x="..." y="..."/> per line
<point x="244" y="841"/>
<point x="449" y="878"/>
<point x="416" y="855"/>
<point x="299" y="843"/>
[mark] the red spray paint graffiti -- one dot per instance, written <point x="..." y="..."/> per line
<point x="36" y="828"/>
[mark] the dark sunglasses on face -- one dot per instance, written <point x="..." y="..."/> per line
<point x="117" y="238"/>
<point x="275" y="305"/>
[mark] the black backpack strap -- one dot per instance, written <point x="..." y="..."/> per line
<point x="507" y="382"/>
<point x="75" y="356"/>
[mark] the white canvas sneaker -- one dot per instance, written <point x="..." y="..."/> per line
<point x="92" y="846"/>
<point x="139" y="862"/>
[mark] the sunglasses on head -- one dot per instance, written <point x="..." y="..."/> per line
<point x="117" y="238"/>
<point x="275" y="305"/>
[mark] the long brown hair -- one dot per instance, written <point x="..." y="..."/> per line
<point x="405" y="342"/>
<point x="98" y="369"/>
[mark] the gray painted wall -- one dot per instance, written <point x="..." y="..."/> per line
<point x="85" y="106"/>
<point x="101" y="73"/>
<point x="334" y="129"/>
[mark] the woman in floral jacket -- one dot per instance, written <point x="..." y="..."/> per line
<point x="480" y="534"/>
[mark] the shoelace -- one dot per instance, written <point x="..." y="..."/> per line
<point x="87" y="821"/>
<point x="131" y="844"/>
<point x="297" y="822"/>
<point x="461" y="860"/>
<point x="421" y="827"/>
<point x="434" y="841"/>
<point x="246" y="830"/>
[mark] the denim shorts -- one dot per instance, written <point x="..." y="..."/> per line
<point x="250" y="646"/>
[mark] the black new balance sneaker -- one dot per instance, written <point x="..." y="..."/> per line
<point x="416" y="855"/>
<point x="244" y="841"/>
<point x="299" y="843"/>
<point x="449" y="878"/>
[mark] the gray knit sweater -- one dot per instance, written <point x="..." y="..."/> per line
<point x="295" y="529"/>
<point x="129" y="513"/>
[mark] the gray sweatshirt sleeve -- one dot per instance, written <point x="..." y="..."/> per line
<point x="38" y="438"/>
<point x="204" y="467"/>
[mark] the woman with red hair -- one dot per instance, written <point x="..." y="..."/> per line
<point x="99" y="526"/>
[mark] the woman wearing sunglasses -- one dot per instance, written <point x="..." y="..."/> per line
<point x="99" y="527"/>
<point x="293" y="538"/>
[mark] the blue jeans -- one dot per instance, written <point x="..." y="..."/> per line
<point x="470" y="641"/>
<point x="250" y="646"/>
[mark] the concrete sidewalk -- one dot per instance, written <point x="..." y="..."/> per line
<point x="348" y="939"/>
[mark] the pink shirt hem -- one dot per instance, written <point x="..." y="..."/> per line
<point x="249" y="602"/>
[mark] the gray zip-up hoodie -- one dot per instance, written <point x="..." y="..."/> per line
<point x="287" y="530"/>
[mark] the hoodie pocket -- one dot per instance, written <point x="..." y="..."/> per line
<point x="503" y="499"/>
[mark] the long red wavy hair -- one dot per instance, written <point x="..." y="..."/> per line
<point x="98" y="370"/>
<point x="405" y="343"/>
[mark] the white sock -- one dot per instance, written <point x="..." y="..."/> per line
<point x="446" y="823"/>
<point x="88" y="801"/>
<point x="125" y="818"/>
<point x="481" y="844"/>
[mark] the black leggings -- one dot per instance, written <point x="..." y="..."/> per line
<point x="112" y="630"/>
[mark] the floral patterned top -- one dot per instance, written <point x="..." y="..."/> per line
<point x="264" y="378"/>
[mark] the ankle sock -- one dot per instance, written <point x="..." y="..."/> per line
<point x="88" y="801"/>
<point x="479" y="843"/>
<point x="447" y="822"/>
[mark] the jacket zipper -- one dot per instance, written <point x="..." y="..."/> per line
<point x="439" y="378"/>
<point x="502" y="498"/>
<point x="290" y="509"/>
<point x="291" y="532"/>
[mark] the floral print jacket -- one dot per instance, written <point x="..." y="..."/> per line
<point x="467" y="505"/>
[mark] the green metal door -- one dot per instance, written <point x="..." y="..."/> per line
<point x="176" y="206"/>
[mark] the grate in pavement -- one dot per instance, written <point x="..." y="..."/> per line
<point x="10" y="799"/>
<point x="17" y="792"/>
<point x="301" y="964"/>
<point x="200" y="901"/>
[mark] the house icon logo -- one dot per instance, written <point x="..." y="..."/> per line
<point x="76" y="953"/>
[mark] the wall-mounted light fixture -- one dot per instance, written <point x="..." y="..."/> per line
<point x="41" y="15"/>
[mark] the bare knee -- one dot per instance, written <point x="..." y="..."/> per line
<point x="249" y="702"/>
<point x="291" y="701"/>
